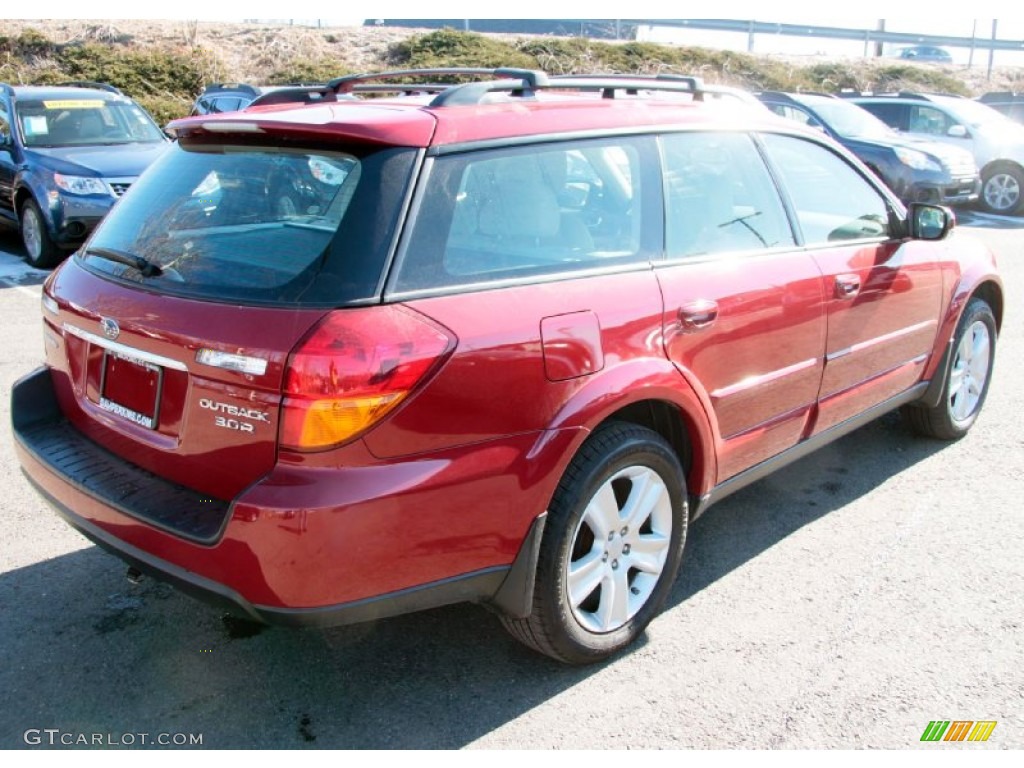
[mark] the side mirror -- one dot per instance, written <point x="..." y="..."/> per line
<point x="930" y="222"/>
<point x="957" y="131"/>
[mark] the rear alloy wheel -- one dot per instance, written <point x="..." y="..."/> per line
<point x="1001" y="190"/>
<point x="40" y="250"/>
<point x="612" y="546"/>
<point x="967" y="380"/>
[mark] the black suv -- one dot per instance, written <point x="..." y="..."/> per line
<point x="224" y="97"/>
<point x="232" y="97"/>
<point x="67" y="153"/>
<point x="916" y="170"/>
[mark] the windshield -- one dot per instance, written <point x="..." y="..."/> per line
<point x="258" y="224"/>
<point x="974" y="114"/>
<point x="850" y="121"/>
<point x="78" y="122"/>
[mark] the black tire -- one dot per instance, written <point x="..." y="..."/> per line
<point x="40" y="250"/>
<point x="627" y="465"/>
<point x="1002" y="189"/>
<point x="967" y="380"/>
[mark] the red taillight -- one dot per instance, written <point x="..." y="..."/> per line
<point x="352" y="369"/>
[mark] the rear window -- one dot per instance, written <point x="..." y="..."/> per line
<point x="258" y="224"/>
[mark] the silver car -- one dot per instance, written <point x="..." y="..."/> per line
<point x="996" y="142"/>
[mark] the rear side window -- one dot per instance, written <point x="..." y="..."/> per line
<point x="258" y="224"/>
<point x="890" y="114"/>
<point x="831" y="199"/>
<point x="719" y="196"/>
<point x="520" y="213"/>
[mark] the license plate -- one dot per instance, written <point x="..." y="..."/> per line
<point x="131" y="388"/>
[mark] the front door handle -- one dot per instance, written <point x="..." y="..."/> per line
<point x="847" y="286"/>
<point x="698" y="314"/>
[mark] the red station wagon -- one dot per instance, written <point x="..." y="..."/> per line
<point x="495" y="342"/>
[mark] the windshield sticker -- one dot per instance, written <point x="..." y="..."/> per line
<point x="36" y="125"/>
<point x="74" y="104"/>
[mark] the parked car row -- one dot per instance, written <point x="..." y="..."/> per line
<point x="67" y="153"/>
<point x="915" y="169"/>
<point x="995" y="141"/>
<point x="497" y="342"/>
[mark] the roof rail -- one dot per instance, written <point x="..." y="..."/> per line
<point x="90" y="84"/>
<point x="631" y="84"/>
<point x="507" y="79"/>
<point x="294" y="95"/>
<point x="347" y="83"/>
<point x="318" y="94"/>
<point x="608" y="85"/>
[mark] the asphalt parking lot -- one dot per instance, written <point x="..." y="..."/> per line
<point x="847" y="601"/>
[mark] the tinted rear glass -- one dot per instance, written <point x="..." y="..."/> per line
<point x="259" y="224"/>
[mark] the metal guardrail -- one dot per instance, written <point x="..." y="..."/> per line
<point x="834" y="33"/>
<point x="616" y="28"/>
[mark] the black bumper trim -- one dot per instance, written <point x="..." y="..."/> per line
<point x="42" y="430"/>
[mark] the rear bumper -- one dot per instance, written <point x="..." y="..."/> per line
<point x="309" y="547"/>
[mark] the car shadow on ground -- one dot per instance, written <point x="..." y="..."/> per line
<point x="981" y="220"/>
<point x="14" y="271"/>
<point x="90" y="652"/>
<point x="742" y="526"/>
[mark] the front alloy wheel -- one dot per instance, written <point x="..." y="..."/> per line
<point x="40" y="250"/>
<point x="611" y="548"/>
<point x="1001" y="191"/>
<point x="969" y="376"/>
<point x="967" y="379"/>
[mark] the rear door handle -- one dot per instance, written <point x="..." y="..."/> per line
<point x="847" y="286"/>
<point x="698" y="314"/>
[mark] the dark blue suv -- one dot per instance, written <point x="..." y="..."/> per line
<point x="67" y="153"/>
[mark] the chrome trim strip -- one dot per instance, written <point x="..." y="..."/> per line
<point x="764" y="378"/>
<point x="862" y="345"/>
<point x="125" y="350"/>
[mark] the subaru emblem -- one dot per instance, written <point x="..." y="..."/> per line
<point x="110" y="328"/>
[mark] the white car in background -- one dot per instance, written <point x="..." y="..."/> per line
<point x="996" y="141"/>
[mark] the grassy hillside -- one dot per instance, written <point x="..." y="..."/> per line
<point x="165" y="64"/>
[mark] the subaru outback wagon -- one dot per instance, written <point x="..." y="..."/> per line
<point x="498" y="344"/>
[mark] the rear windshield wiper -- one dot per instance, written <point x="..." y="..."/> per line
<point x="146" y="267"/>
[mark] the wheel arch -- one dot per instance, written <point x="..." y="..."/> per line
<point x="1000" y="162"/>
<point x="650" y="393"/>
<point x="988" y="289"/>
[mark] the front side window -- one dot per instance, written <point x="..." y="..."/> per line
<point x="831" y="199"/>
<point x="523" y="212"/>
<point x="719" y="196"/>
<point x="257" y="223"/>
<point x="934" y="122"/>
<point x="80" y="122"/>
